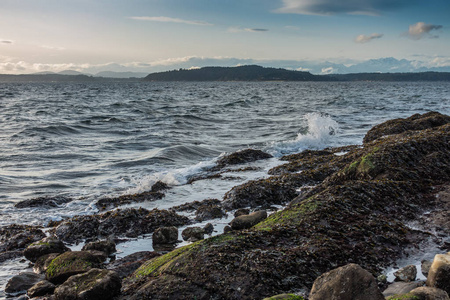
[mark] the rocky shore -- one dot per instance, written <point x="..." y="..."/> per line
<point x="349" y="213"/>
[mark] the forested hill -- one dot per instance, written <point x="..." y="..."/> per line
<point x="241" y="73"/>
<point x="258" y="73"/>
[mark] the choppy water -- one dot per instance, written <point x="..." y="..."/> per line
<point x="91" y="140"/>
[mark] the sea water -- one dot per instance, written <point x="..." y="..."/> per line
<point x="90" y="140"/>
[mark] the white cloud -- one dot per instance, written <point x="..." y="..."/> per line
<point x="362" y="38"/>
<point x="331" y="7"/>
<point x="239" y="29"/>
<point x="5" y="41"/>
<point x="420" y="30"/>
<point x="329" y="70"/>
<point x="53" y="48"/>
<point x="171" y="20"/>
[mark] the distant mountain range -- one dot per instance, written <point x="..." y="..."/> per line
<point x="240" y="73"/>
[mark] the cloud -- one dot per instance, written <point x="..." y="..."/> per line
<point x="361" y="39"/>
<point x="332" y="7"/>
<point x="239" y="29"/>
<point x="329" y="70"/>
<point x="171" y="20"/>
<point x="53" y="48"/>
<point x="421" y="30"/>
<point x="5" y="42"/>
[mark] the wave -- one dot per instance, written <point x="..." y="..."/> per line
<point x="320" y="132"/>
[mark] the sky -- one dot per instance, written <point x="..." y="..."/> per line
<point x="153" y="35"/>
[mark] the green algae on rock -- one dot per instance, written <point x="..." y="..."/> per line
<point x="356" y="214"/>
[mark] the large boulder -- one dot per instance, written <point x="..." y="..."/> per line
<point x="439" y="274"/>
<point x="193" y="234"/>
<point x="248" y="221"/>
<point x="70" y="263"/>
<point x="208" y="212"/>
<point x="401" y="287"/>
<point x="350" y="282"/>
<point x="429" y="293"/>
<point x="45" y="246"/>
<point x="19" y="284"/>
<point x="96" y="284"/>
<point x="42" y="263"/>
<point x="44" y="202"/>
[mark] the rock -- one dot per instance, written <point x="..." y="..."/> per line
<point x="42" y="263"/>
<point x="45" y="246"/>
<point x="4" y="256"/>
<point x="227" y="229"/>
<point x="127" y="265"/>
<point x="196" y="204"/>
<point x="248" y="221"/>
<point x="430" y="293"/>
<point x="106" y="246"/>
<point x="193" y="234"/>
<point x="165" y="235"/>
<point x="350" y="282"/>
<point x="425" y="266"/>
<point x="45" y="202"/>
<point x="241" y="157"/>
<point x="41" y="288"/>
<point x="70" y="263"/>
<point x="17" y="237"/>
<point x="96" y="284"/>
<point x="286" y="297"/>
<point x="241" y="212"/>
<point x="130" y="222"/>
<point x="208" y="212"/>
<point x="439" y="274"/>
<point x="19" y="284"/>
<point x="400" y="288"/>
<point x="208" y="228"/>
<point x="100" y="255"/>
<point x="415" y="122"/>
<point x="406" y="274"/>
<point x="159" y="186"/>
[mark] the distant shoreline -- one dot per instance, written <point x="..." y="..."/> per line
<point x="251" y="73"/>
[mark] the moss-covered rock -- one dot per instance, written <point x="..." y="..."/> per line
<point x="70" y="263"/>
<point x="45" y="246"/>
<point x="16" y="237"/>
<point x="356" y="214"/>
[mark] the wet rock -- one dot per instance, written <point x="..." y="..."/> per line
<point x="208" y="228"/>
<point x="439" y="274"/>
<point x="70" y="263"/>
<point x="241" y="157"/>
<point x="100" y="255"/>
<point x="106" y="246"/>
<point x="406" y="274"/>
<point x="208" y="212"/>
<point x="425" y="266"/>
<point x="17" y="237"/>
<point x="248" y="221"/>
<point x="241" y="212"/>
<point x="165" y="235"/>
<point x="429" y="293"/>
<point x="19" y="284"/>
<point x="96" y="284"/>
<point x="227" y="229"/>
<point x="159" y="186"/>
<point x="45" y="246"/>
<point x="41" y="288"/>
<point x="191" y="206"/>
<point x="347" y="282"/>
<point x="127" y="265"/>
<point x="4" y="256"/>
<point x="262" y="193"/>
<point x="415" y="122"/>
<point x="45" y="202"/>
<point x="129" y="222"/>
<point x="400" y="288"/>
<point x="107" y="203"/>
<point x="193" y="234"/>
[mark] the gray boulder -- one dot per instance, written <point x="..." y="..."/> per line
<point x="106" y="246"/>
<point x="41" y="288"/>
<point x="406" y="274"/>
<point x="45" y="246"/>
<point x="425" y="266"/>
<point x="350" y="282"/>
<point x="19" y="284"/>
<point x="96" y="284"/>
<point x="193" y="234"/>
<point x="430" y="293"/>
<point x="42" y="263"/>
<point x="248" y="221"/>
<point x="400" y="288"/>
<point x="127" y="265"/>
